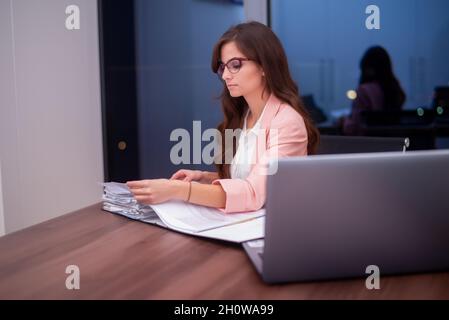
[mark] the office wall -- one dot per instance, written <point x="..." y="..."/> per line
<point x="7" y="103"/>
<point x="50" y="115"/>
<point x="2" y="215"/>
<point x="174" y="41"/>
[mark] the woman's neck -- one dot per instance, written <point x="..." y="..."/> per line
<point x="256" y="103"/>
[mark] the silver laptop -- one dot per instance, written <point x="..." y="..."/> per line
<point x="332" y="216"/>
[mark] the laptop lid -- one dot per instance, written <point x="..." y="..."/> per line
<point x="332" y="216"/>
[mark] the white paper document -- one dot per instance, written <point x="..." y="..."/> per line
<point x="195" y="218"/>
<point x="241" y="232"/>
<point x="186" y="217"/>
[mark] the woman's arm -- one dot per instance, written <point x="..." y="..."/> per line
<point x="160" y="190"/>
<point x="208" y="195"/>
<point x="195" y="175"/>
<point x="208" y="177"/>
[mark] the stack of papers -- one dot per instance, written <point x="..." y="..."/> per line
<point x="185" y="217"/>
<point x="118" y="199"/>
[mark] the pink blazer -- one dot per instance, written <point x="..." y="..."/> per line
<point x="283" y="134"/>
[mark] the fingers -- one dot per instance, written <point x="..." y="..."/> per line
<point x="136" y="184"/>
<point x="142" y="195"/>
<point x="145" y="200"/>
<point x="144" y="191"/>
<point x="139" y="189"/>
<point x="142" y="199"/>
<point x="182" y="175"/>
<point x="140" y="192"/>
<point x="178" y="174"/>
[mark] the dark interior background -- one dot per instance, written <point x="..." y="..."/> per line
<point x="156" y="74"/>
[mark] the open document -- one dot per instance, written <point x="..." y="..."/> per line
<point x="185" y="217"/>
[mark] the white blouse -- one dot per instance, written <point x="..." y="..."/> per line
<point x="241" y="163"/>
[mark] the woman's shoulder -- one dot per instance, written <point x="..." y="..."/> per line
<point x="287" y="116"/>
<point x="289" y="127"/>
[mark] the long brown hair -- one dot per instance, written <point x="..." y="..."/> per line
<point x="259" y="43"/>
<point x="376" y="66"/>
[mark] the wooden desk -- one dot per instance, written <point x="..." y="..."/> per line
<point x="123" y="259"/>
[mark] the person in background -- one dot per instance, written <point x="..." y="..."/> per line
<point x="259" y="97"/>
<point x="378" y="89"/>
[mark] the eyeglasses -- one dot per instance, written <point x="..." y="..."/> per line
<point x="233" y="66"/>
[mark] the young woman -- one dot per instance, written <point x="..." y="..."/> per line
<point x="378" y="89"/>
<point x="260" y="98"/>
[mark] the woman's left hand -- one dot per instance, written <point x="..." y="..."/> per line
<point x="154" y="191"/>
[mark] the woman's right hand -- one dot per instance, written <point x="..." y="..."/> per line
<point x="187" y="175"/>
